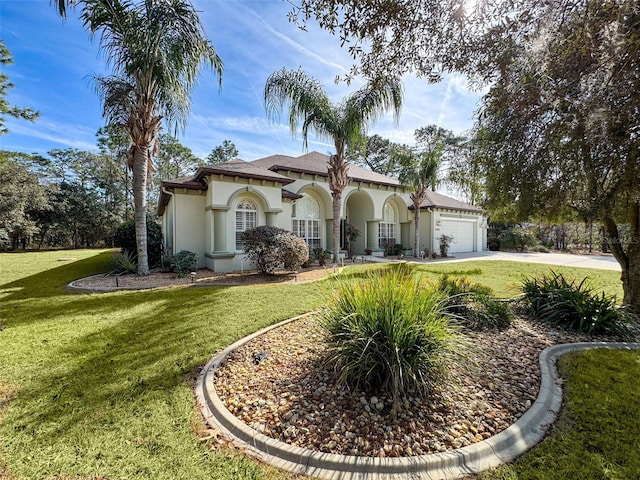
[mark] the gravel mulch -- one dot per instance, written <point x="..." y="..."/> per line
<point x="203" y="277"/>
<point x="288" y="394"/>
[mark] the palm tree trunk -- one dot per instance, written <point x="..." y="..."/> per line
<point x="337" y="200"/>
<point x="140" y="162"/>
<point x="416" y="237"/>
<point x="338" y="179"/>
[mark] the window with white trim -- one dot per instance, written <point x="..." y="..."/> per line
<point x="246" y="218"/>
<point x="387" y="227"/>
<point x="306" y="220"/>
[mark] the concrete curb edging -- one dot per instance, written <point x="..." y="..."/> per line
<point x="501" y="448"/>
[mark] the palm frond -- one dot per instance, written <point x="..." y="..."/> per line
<point x="369" y="103"/>
<point x="307" y="100"/>
<point x="158" y="46"/>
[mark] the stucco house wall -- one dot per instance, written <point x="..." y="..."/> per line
<point x="199" y="213"/>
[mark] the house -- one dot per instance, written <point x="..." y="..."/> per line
<point x="208" y="212"/>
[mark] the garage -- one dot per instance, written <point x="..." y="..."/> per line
<point x="462" y="232"/>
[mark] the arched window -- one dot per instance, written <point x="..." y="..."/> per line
<point x="306" y="220"/>
<point x="246" y="218"/>
<point x="387" y="227"/>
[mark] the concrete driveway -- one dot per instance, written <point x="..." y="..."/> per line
<point x="604" y="262"/>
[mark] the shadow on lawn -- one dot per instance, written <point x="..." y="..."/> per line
<point x="52" y="281"/>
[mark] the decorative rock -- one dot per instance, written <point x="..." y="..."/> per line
<point x="315" y="412"/>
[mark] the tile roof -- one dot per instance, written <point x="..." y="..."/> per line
<point x="437" y="200"/>
<point x="240" y="168"/>
<point x="315" y="163"/>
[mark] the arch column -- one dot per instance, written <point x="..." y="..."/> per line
<point x="373" y="227"/>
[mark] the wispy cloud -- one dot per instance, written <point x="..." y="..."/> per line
<point x="298" y="47"/>
<point x="63" y="135"/>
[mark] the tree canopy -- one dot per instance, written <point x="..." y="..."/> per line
<point x="223" y="153"/>
<point x="6" y="109"/>
<point x="558" y="128"/>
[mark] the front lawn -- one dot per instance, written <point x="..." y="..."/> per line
<point x="100" y="385"/>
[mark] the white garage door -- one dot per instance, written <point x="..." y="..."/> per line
<point x="462" y="234"/>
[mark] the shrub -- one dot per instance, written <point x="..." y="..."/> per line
<point x="389" y="331"/>
<point x="125" y="238"/>
<point x="182" y="263"/>
<point x="124" y="262"/>
<point x="573" y="306"/>
<point x="474" y="304"/>
<point x="493" y="244"/>
<point x="321" y="255"/>
<point x="398" y="249"/>
<point x="388" y="248"/>
<point x="517" y="239"/>
<point x="271" y="247"/>
<point x="293" y="250"/>
<point x="445" y="243"/>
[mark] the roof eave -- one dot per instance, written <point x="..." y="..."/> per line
<point x="204" y="171"/>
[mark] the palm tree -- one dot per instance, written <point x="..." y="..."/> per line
<point x="419" y="171"/>
<point x="156" y="49"/>
<point x="345" y="123"/>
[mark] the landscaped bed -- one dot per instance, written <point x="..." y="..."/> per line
<point x="279" y="385"/>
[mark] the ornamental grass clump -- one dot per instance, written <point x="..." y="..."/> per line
<point x="574" y="306"/>
<point x="389" y="331"/>
<point x="474" y="305"/>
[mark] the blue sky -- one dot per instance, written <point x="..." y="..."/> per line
<point x="55" y="59"/>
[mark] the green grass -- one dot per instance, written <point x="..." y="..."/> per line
<point x="506" y="277"/>
<point x="597" y="435"/>
<point x="100" y="385"/>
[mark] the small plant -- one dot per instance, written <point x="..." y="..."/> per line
<point x="445" y="243"/>
<point x="125" y="262"/>
<point x="182" y="263"/>
<point x="321" y="255"/>
<point x="310" y="260"/>
<point x="398" y="249"/>
<point x="350" y="235"/>
<point x="389" y="331"/>
<point x="388" y="248"/>
<point x="573" y="306"/>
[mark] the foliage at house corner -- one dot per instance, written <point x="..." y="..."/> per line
<point x="125" y="238"/>
<point x="272" y="247"/>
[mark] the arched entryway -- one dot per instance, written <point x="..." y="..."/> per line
<point x="357" y="213"/>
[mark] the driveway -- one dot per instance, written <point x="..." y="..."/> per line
<point x="604" y="262"/>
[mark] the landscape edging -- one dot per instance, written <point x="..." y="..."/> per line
<point x="504" y="447"/>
